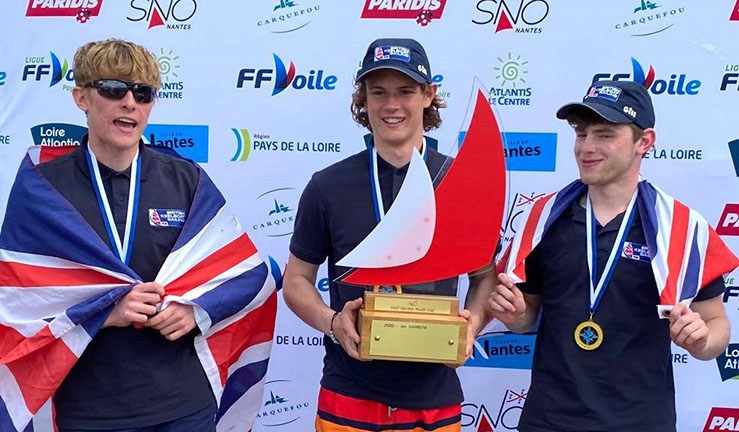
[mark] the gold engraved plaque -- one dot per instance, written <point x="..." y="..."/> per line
<point x="412" y="327"/>
<point x="400" y="303"/>
<point x="418" y="340"/>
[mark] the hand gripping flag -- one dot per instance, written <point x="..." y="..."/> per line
<point x="59" y="281"/>
<point x="686" y="252"/>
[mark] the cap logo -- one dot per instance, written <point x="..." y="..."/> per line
<point x="392" y="53"/>
<point x="422" y="69"/>
<point x="630" y="111"/>
<point x="604" y="92"/>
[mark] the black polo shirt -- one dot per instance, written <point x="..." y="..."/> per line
<point x="334" y="215"/>
<point x="626" y="384"/>
<point x="128" y="377"/>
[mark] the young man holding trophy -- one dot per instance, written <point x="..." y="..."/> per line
<point x="396" y="100"/>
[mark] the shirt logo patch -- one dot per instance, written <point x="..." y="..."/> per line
<point x="636" y="252"/>
<point x="167" y="217"/>
<point x="604" y="92"/>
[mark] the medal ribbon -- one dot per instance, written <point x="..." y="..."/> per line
<point x="122" y="250"/>
<point x="375" y="179"/>
<point x="598" y="287"/>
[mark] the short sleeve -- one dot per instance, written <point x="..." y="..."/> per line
<point x="713" y="289"/>
<point x="311" y="239"/>
<point x="533" y="284"/>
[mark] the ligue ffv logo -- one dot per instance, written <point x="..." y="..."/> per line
<point x="82" y="10"/>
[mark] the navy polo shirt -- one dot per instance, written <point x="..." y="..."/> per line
<point x="131" y="377"/>
<point x="335" y="214"/>
<point x="626" y="384"/>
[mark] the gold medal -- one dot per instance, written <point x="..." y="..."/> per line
<point x="588" y="334"/>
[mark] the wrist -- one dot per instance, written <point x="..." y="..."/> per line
<point x="331" y="334"/>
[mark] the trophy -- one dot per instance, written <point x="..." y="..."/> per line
<point x="430" y="235"/>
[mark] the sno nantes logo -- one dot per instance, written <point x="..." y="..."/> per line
<point x="501" y="417"/>
<point x="423" y="11"/>
<point x="174" y="14"/>
<point x="40" y="67"/>
<point x="82" y="10"/>
<point x="284" y="78"/>
<point x="522" y="16"/>
<point x="722" y="419"/>
<point x="676" y="84"/>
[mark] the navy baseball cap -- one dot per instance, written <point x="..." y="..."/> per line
<point x="617" y="102"/>
<point x="403" y="55"/>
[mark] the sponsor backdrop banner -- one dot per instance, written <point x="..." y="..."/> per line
<point x="258" y="92"/>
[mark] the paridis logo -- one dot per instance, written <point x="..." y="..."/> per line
<point x="729" y="222"/>
<point x="675" y="85"/>
<point x="722" y="419"/>
<point x="82" y="10"/>
<point x="190" y="141"/>
<point x="422" y="11"/>
<point x="286" y="77"/>
<point x="37" y="68"/>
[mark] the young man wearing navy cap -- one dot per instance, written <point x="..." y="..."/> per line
<point x="612" y="247"/>
<point x="396" y="100"/>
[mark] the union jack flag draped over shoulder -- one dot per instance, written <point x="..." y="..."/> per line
<point x="59" y="281"/>
<point x="686" y="252"/>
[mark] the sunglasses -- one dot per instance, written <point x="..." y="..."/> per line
<point x="116" y="89"/>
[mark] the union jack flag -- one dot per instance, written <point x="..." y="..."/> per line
<point x="686" y="252"/>
<point x="59" y="281"/>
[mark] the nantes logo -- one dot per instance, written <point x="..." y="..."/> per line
<point x="722" y="419"/>
<point x="677" y="84"/>
<point x="522" y="16"/>
<point x="729" y="222"/>
<point x="284" y="77"/>
<point x="503" y="350"/>
<point x="82" y="10"/>
<point x="190" y="141"/>
<point x="38" y="67"/>
<point x="423" y="11"/>
<point x="174" y="14"/>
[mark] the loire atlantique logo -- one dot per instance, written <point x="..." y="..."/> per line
<point x="422" y="11"/>
<point x="677" y="84"/>
<point x="511" y="74"/>
<point x="81" y="10"/>
<point x="51" y="68"/>
<point x="494" y="415"/>
<point x="728" y="363"/>
<point x="57" y="134"/>
<point x="172" y="87"/>
<point x="286" y="77"/>
<point x="734" y="150"/>
<point x="521" y="16"/>
<point x="171" y="14"/>
<point x="646" y="18"/>
<point x="285" y="16"/>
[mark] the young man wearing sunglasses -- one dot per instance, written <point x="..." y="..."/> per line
<point x="141" y="371"/>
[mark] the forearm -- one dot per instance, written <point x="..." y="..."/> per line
<point x="305" y="301"/>
<point x="718" y="339"/>
<point x="481" y="286"/>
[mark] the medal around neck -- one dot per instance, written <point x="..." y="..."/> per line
<point x="588" y="334"/>
<point x="424" y="237"/>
